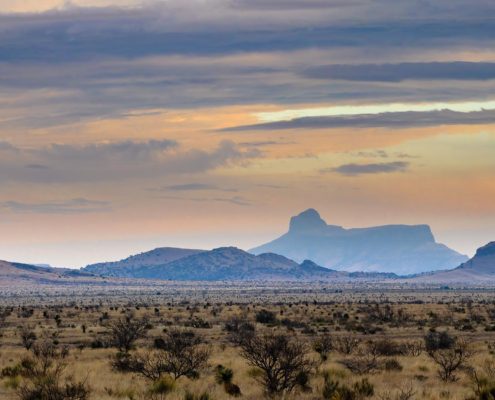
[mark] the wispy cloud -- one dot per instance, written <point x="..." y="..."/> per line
<point x="465" y="71"/>
<point x="396" y="120"/>
<point x="237" y="200"/>
<point x="196" y="187"/>
<point x="73" y="206"/>
<point x="363" y="169"/>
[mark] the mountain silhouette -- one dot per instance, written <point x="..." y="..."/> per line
<point x="225" y="263"/>
<point x="399" y="249"/>
<point x="480" y="268"/>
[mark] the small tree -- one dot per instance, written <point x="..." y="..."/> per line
<point x="179" y="353"/>
<point x="266" y="317"/>
<point x="346" y="344"/>
<point x="125" y="331"/>
<point x="323" y="345"/>
<point x="28" y="336"/>
<point x="282" y="360"/>
<point x="439" y="341"/>
<point x="451" y="359"/>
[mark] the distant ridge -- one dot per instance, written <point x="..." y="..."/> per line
<point x="129" y="267"/>
<point x="17" y="274"/>
<point x="398" y="249"/>
<point x="480" y="268"/>
<point x="225" y="263"/>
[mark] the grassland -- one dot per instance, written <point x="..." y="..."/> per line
<point x="372" y="333"/>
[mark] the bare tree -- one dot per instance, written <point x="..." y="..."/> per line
<point x="363" y="363"/>
<point x="346" y="344"/>
<point x="282" y="360"/>
<point x="28" y="336"/>
<point x="323" y="345"/>
<point x="178" y="353"/>
<point x="451" y="359"/>
<point x="125" y="331"/>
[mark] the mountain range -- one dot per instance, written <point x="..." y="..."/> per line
<point x="224" y="263"/>
<point x="399" y="249"/>
<point x="311" y="250"/>
<point x="230" y="263"/>
<point x="480" y="268"/>
<point x="17" y="274"/>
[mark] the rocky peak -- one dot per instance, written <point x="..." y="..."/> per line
<point x="308" y="220"/>
<point x="487" y="250"/>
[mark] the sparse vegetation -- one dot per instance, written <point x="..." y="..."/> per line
<point x="343" y="346"/>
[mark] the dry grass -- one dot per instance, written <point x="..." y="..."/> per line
<point x="414" y="313"/>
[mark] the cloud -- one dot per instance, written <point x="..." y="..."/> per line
<point x="375" y="168"/>
<point x="385" y="120"/>
<point x="118" y="161"/>
<point x="196" y="187"/>
<point x="373" y="154"/>
<point x="106" y="58"/>
<point x="73" y="206"/>
<point x="467" y="71"/>
<point x="7" y="147"/>
<point x="237" y="200"/>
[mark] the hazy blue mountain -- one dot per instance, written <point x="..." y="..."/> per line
<point x="480" y="268"/>
<point x="226" y="263"/>
<point x="130" y="267"/>
<point x="14" y="274"/>
<point x="399" y="249"/>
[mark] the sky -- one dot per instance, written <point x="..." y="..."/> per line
<point x="132" y="124"/>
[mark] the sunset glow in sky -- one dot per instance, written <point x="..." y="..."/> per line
<point x="132" y="124"/>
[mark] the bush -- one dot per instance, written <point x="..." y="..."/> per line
<point x="438" y="341"/>
<point x="44" y="377"/>
<point x="393" y="365"/>
<point x="125" y="331"/>
<point x="266" y="317"/>
<point x="281" y="359"/>
<point x="333" y="390"/>
<point x="451" y="359"/>
<point x="179" y="353"/>
<point x="323" y="345"/>
<point x="346" y="344"/>
<point x="361" y="364"/>
<point x="161" y="388"/>
<point x="192" y="396"/>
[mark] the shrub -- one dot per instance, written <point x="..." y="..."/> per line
<point x="323" y="345"/>
<point x="266" y="317"/>
<point x="361" y="364"/>
<point x="333" y="390"/>
<point x="282" y="360"/>
<point x="180" y="353"/>
<point x="438" y="341"/>
<point x="393" y="365"/>
<point x="161" y="388"/>
<point x="44" y="377"/>
<point x="192" y="396"/>
<point x="28" y="336"/>
<point x="346" y="344"/>
<point x="125" y="331"/>
<point x="451" y="359"/>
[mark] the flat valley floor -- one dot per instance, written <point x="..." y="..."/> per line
<point x="377" y="341"/>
